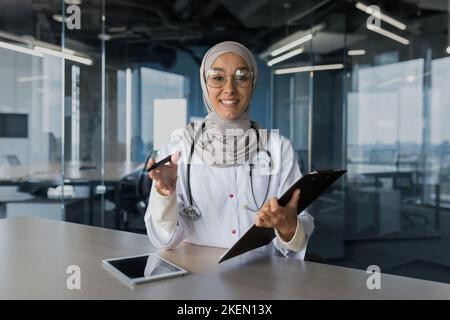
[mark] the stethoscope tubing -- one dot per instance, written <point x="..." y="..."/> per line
<point x="189" y="209"/>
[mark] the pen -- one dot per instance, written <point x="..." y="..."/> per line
<point x="159" y="163"/>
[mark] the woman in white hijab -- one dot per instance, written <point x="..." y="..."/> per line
<point x="226" y="174"/>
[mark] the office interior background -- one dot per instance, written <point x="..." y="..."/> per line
<point x="372" y="100"/>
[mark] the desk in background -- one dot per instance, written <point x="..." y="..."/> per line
<point x="34" y="255"/>
<point x="75" y="174"/>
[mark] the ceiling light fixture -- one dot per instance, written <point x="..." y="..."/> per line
<point x="67" y="55"/>
<point x="356" y="52"/>
<point x="292" y="44"/>
<point x="285" y="56"/>
<point x="9" y="46"/>
<point x="388" y="34"/>
<point x="39" y="48"/>
<point x="58" y="18"/>
<point x="75" y="2"/>
<point x="310" y="68"/>
<point x="104" y="36"/>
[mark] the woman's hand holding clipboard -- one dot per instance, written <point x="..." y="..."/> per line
<point x="311" y="185"/>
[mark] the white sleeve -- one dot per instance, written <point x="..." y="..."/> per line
<point x="290" y="173"/>
<point x="166" y="228"/>
<point x="298" y="241"/>
<point x="163" y="214"/>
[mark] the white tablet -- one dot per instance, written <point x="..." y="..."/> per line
<point x="142" y="268"/>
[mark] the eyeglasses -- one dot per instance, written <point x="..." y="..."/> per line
<point x="217" y="78"/>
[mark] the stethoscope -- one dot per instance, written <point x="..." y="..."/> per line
<point x="192" y="212"/>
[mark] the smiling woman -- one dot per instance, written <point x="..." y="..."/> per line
<point x="205" y="202"/>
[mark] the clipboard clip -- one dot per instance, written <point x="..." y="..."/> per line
<point x="322" y="171"/>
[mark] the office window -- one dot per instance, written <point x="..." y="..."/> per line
<point x="156" y="84"/>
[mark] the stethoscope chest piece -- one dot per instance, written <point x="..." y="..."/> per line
<point x="192" y="213"/>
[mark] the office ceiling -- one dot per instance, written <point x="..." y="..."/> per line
<point x="140" y="29"/>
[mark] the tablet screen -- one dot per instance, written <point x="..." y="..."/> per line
<point x="143" y="266"/>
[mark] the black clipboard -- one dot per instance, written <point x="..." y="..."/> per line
<point x="311" y="185"/>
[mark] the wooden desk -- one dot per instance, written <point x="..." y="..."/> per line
<point x="34" y="255"/>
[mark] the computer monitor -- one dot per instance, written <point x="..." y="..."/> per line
<point x="13" y="125"/>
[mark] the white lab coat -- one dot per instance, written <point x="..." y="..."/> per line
<point x="221" y="193"/>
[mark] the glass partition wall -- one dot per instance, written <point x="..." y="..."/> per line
<point x="52" y="111"/>
<point x="308" y="108"/>
<point x="367" y="95"/>
<point x="31" y="112"/>
<point x="396" y="155"/>
<point x="91" y="88"/>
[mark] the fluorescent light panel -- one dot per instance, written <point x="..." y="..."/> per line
<point x="356" y="52"/>
<point x="58" y="18"/>
<point x="75" y="2"/>
<point x="361" y="6"/>
<point x="67" y="55"/>
<point x="20" y="49"/>
<point x="40" y="51"/>
<point x="291" y="45"/>
<point x="448" y="49"/>
<point x="30" y="78"/>
<point x="53" y="52"/>
<point x="285" y="56"/>
<point x="310" y="68"/>
<point x="388" y="34"/>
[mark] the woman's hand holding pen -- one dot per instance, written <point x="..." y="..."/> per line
<point x="165" y="176"/>
<point x="284" y="219"/>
